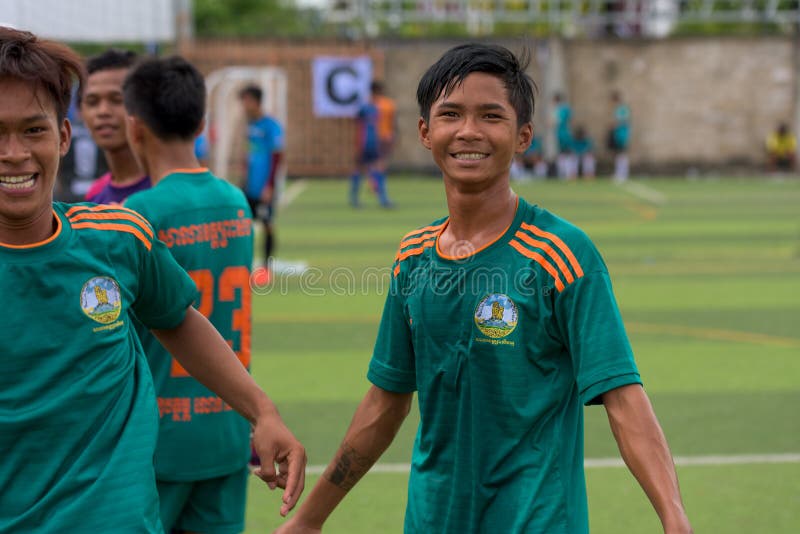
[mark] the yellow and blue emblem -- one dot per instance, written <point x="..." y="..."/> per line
<point x="101" y="300"/>
<point x="496" y="315"/>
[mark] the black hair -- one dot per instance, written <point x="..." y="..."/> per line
<point x="460" y="61"/>
<point x="253" y="91"/>
<point x="168" y="95"/>
<point x="376" y="87"/>
<point x="113" y="58"/>
<point x="48" y="65"/>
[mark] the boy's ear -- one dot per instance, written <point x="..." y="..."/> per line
<point x="135" y="129"/>
<point x="424" y="133"/>
<point x="524" y="137"/>
<point x="64" y="137"/>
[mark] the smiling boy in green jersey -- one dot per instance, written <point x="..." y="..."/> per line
<point x="78" y="413"/>
<point x="201" y="457"/>
<point x="501" y="316"/>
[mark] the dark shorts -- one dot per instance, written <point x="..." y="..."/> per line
<point x="369" y="154"/>
<point x="261" y="211"/>
<point x="373" y="152"/>
<point x="212" y="506"/>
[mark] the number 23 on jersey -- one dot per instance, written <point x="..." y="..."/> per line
<point x="232" y="280"/>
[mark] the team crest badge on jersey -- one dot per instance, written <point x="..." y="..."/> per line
<point x="101" y="300"/>
<point x="496" y="316"/>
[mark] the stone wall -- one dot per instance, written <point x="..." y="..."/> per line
<point x="694" y="102"/>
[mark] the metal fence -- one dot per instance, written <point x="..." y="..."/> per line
<point x="571" y="17"/>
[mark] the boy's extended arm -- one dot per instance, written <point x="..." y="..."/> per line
<point x="644" y="449"/>
<point x="374" y="426"/>
<point x="203" y="352"/>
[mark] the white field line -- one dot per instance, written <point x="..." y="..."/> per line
<point x="292" y="192"/>
<point x="643" y="192"/>
<point x="589" y="463"/>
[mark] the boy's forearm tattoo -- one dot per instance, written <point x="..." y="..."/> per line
<point x="349" y="468"/>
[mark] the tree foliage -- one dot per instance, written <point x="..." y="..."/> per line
<point x="253" y="18"/>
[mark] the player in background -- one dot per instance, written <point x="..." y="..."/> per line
<point x="265" y="139"/>
<point x="200" y="461"/>
<point x="533" y="158"/>
<point x="620" y="136"/>
<point x="78" y="414"/>
<point x="377" y="130"/>
<point x="501" y="316"/>
<point x="781" y="148"/>
<point x="583" y="147"/>
<point x="566" y="162"/>
<point x="104" y="114"/>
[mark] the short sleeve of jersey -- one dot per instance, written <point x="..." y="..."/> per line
<point x="278" y="137"/>
<point x="589" y="318"/>
<point x="165" y="290"/>
<point x="393" y="367"/>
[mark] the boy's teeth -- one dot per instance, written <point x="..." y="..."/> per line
<point x="474" y="155"/>
<point x="16" y="182"/>
<point x="15" y="179"/>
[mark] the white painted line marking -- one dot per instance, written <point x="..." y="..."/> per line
<point x="643" y="192"/>
<point x="589" y="463"/>
<point x="292" y="192"/>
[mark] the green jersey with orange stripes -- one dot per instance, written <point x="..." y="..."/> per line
<point x="504" y="347"/>
<point x="78" y="416"/>
<point x="206" y="224"/>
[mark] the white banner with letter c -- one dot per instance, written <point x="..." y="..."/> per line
<point x="340" y="85"/>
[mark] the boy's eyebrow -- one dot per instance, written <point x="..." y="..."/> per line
<point x="491" y="106"/>
<point x="36" y="118"/>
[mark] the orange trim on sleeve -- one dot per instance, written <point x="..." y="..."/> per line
<point x="419" y="239"/>
<point x="419" y="231"/>
<point x="106" y="207"/>
<point x="550" y="252"/>
<point x="114" y="217"/>
<point x="117" y="227"/>
<point x="538" y="258"/>
<point x="396" y="270"/>
<point x="560" y="244"/>
<point x="39" y="243"/>
<point x="416" y="251"/>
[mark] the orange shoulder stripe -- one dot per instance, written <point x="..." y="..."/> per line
<point x="416" y="251"/>
<point x="560" y="244"/>
<point x="550" y="252"/>
<point x="117" y="227"/>
<point x="419" y="239"/>
<point x="107" y="207"/>
<point x="114" y="217"/>
<point x="415" y="233"/>
<point x="538" y="258"/>
<point x="396" y="270"/>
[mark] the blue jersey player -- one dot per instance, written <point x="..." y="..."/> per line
<point x="265" y="138"/>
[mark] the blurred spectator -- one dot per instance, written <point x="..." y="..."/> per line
<point x="566" y="162"/>
<point x="103" y="112"/>
<point x="533" y="158"/>
<point x="619" y="136"/>
<point x="781" y="149"/>
<point x="377" y="126"/>
<point x="584" y="152"/>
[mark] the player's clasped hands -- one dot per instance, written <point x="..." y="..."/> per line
<point x="277" y="446"/>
